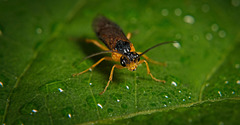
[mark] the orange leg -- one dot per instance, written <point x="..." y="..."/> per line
<point x="111" y="76"/>
<point x="97" y="44"/>
<point x="129" y="35"/>
<point x="94" y="65"/>
<point x="152" y="61"/>
<point x="148" y="70"/>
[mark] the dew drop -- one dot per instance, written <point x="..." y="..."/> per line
<point x="189" y="97"/>
<point x="205" y="8"/>
<point x="183" y="100"/>
<point x="174" y="83"/>
<point x="180" y="91"/>
<point x="178" y="12"/>
<point x="164" y="12"/>
<point x="220" y="94"/>
<point x="238" y="82"/>
<point x="69" y="115"/>
<point x="233" y="92"/>
<point x="164" y="105"/>
<point x="90" y="69"/>
<point x="118" y="100"/>
<point x="177" y="45"/>
<point x="127" y="87"/>
<point x="38" y="30"/>
<point x="209" y="36"/>
<point x="226" y="82"/>
<point x="60" y="90"/>
<point x="214" y="27"/>
<point x="30" y="107"/>
<point x="166" y="96"/>
<point x="67" y="112"/>
<point x="34" y="110"/>
<point x="90" y="83"/>
<point x="195" y="37"/>
<point x="235" y="3"/>
<point x="222" y="33"/>
<point x="1" y="84"/>
<point x="99" y="105"/>
<point x="189" y="19"/>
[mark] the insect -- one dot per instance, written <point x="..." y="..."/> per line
<point x="119" y="46"/>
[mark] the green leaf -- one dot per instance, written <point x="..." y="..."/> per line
<point x="42" y="44"/>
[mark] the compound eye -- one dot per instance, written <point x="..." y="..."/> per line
<point x="123" y="62"/>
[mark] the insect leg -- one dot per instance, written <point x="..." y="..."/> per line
<point x="97" y="44"/>
<point x="111" y="76"/>
<point x="148" y="71"/>
<point x="152" y="61"/>
<point x="94" y="65"/>
<point x="129" y="35"/>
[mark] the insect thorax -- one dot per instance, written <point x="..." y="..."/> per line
<point x="122" y="47"/>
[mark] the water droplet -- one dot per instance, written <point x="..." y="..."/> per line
<point x="34" y="110"/>
<point x="238" y="82"/>
<point x="205" y="8"/>
<point x="174" y="83"/>
<point x="233" y="92"/>
<point x="220" y="94"/>
<point x="118" y="100"/>
<point x="127" y="87"/>
<point x="195" y="37"/>
<point x="124" y="106"/>
<point x="166" y="96"/>
<point x="164" y="12"/>
<point x="164" y="105"/>
<point x="99" y="105"/>
<point x="38" y="30"/>
<point x="90" y="83"/>
<point x="183" y="100"/>
<point x="67" y="112"/>
<point x="178" y="12"/>
<point x="1" y="84"/>
<point x="189" y="97"/>
<point x="222" y="33"/>
<point x="31" y="107"/>
<point x="179" y="91"/>
<point x="177" y="45"/>
<point x="69" y="115"/>
<point x="60" y="90"/>
<point x="189" y="19"/>
<point x="90" y="69"/>
<point x="237" y="66"/>
<point x="52" y="87"/>
<point x="214" y="27"/>
<point x="209" y="36"/>
<point x="226" y="82"/>
<point x="235" y="3"/>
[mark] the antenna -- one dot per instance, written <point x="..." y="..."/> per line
<point x="159" y="44"/>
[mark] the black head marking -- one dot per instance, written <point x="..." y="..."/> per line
<point x="129" y="57"/>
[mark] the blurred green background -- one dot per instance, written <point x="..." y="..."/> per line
<point x="42" y="43"/>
